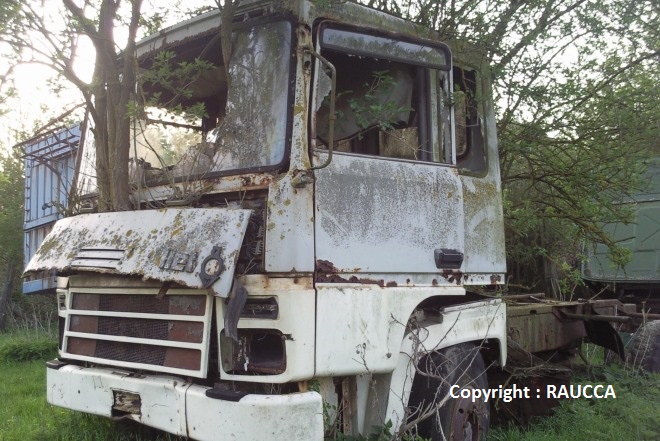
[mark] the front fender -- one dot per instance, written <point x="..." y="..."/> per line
<point x="474" y="322"/>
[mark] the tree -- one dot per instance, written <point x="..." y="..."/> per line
<point x="34" y="38"/>
<point x="11" y="227"/>
<point x="111" y="94"/>
<point x="575" y="83"/>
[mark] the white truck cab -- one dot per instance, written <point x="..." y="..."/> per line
<point x="305" y="249"/>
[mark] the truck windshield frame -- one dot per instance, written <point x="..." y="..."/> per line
<point x="359" y="42"/>
<point x="248" y="131"/>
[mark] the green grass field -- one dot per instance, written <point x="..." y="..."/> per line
<point x="633" y="415"/>
<point x="25" y="415"/>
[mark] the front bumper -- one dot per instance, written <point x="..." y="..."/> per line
<point x="173" y="405"/>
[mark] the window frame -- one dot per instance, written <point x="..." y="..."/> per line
<point x="290" y="101"/>
<point x="479" y="130"/>
<point x="432" y="107"/>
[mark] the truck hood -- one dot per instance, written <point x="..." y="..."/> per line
<point x="195" y="247"/>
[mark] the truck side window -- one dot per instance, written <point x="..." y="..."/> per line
<point x="376" y="113"/>
<point x="470" y="151"/>
<point x="383" y="104"/>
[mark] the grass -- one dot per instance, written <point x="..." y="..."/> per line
<point x="26" y="416"/>
<point x="633" y="415"/>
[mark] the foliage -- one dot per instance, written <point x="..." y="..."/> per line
<point x="371" y="107"/>
<point x="575" y="85"/>
<point x="11" y="208"/>
<point x="174" y="79"/>
<point x="35" y="38"/>
<point x="112" y="28"/>
<point x="29" y="347"/>
<point x="11" y="226"/>
<point x="632" y="415"/>
<point x="378" y="433"/>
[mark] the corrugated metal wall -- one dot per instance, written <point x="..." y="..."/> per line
<point x="50" y="169"/>
<point x="641" y="237"/>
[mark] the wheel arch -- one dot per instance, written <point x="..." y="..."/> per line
<point x="482" y="323"/>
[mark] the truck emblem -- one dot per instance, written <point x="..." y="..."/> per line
<point x="172" y="260"/>
<point x="212" y="267"/>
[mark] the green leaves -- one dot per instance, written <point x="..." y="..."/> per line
<point x="372" y="107"/>
<point x="575" y="85"/>
<point x="169" y="84"/>
<point x="11" y="208"/>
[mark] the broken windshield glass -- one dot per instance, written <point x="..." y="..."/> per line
<point x="253" y="134"/>
<point x="195" y="122"/>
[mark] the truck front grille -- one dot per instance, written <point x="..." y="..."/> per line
<point x="137" y="328"/>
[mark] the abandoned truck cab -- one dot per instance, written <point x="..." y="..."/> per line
<point x="313" y="214"/>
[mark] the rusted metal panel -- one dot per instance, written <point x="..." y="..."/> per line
<point x="170" y="245"/>
<point x="182" y="358"/>
<point x="135" y="327"/>
<point x="126" y="402"/>
<point x="539" y="327"/>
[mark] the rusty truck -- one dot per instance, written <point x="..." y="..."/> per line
<point x="317" y="251"/>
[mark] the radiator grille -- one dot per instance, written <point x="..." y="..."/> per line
<point x="136" y="328"/>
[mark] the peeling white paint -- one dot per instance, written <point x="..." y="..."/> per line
<point x="169" y="245"/>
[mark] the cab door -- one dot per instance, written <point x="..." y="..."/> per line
<point x="389" y="203"/>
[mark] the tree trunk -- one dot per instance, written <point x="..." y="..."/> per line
<point x="111" y="90"/>
<point x="5" y="294"/>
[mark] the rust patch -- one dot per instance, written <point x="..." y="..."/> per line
<point x="83" y="323"/>
<point x="330" y="278"/>
<point x="126" y="402"/>
<point x="380" y="283"/>
<point x="326" y="272"/>
<point x="391" y="284"/>
<point x="251" y="182"/>
<point x="452" y="276"/>
<point x="434" y="282"/>
<point x="325" y="266"/>
<point x="182" y="358"/>
<point x="495" y="279"/>
<point x="81" y="346"/>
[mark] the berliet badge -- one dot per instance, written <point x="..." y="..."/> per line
<point x="178" y="261"/>
<point x="212" y="267"/>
